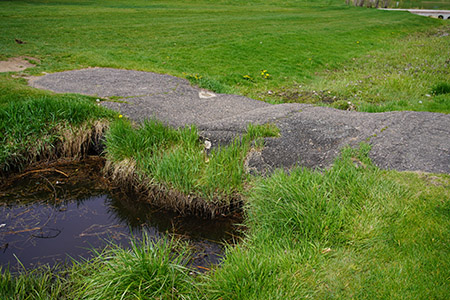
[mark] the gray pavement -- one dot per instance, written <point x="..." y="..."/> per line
<point x="310" y="136"/>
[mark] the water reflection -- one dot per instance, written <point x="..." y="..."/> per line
<point x="50" y="214"/>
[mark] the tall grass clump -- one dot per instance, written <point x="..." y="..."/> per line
<point x="352" y="231"/>
<point x="39" y="125"/>
<point x="148" y="270"/>
<point x="41" y="283"/>
<point x="178" y="167"/>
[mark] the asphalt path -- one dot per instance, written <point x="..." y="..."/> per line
<point x="310" y="136"/>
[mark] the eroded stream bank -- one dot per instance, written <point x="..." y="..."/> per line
<point x="55" y="211"/>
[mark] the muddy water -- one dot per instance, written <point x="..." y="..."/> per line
<point x="52" y="213"/>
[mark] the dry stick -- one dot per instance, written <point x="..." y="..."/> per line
<point x="43" y="170"/>
<point x="22" y="213"/>
<point x="22" y="231"/>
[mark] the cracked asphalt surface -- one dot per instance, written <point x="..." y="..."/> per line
<point x="310" y="136"/>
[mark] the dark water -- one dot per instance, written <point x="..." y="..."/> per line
<point x="50" y="214"/>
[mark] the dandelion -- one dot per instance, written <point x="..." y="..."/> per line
<point x="264" y="74"/>
<point x="120" y="116"/>
<point x="357" y="42"/>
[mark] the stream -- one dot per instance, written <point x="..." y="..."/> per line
<point x="51" y="214"/>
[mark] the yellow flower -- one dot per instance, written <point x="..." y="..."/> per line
<point x="120" y="116"/>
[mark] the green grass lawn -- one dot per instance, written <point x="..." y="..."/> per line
<point x="222" y="42"/>
<point x="437" y="4"/>
<point x="353" y="231"/>
<point x="414" y="74"/>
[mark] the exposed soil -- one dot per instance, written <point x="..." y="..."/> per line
<point x="16" y="64"/>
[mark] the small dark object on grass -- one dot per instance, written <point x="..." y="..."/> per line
<point x="19" y="41"/>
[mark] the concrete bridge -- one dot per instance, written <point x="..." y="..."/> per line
<point x="434" y="13"/>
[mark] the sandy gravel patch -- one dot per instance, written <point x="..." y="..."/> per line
<point x="16" y="64"/>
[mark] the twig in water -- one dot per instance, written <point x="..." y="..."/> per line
<point x="22" y="231"/>
<point x="207" y="269"/>
<point x="43" y="170"/>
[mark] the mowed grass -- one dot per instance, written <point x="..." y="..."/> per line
<point x="414" y="74"/>
<point x="220" y="41"/>
<point x="438" y="4"/>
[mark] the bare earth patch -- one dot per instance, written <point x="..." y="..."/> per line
<point x="16" y="64"/>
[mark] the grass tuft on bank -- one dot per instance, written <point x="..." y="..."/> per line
<point x="193" y="176"/>
<point x="35" y="125"/>
<point x="148" y="270"/>
<point x="40" y="283"/>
